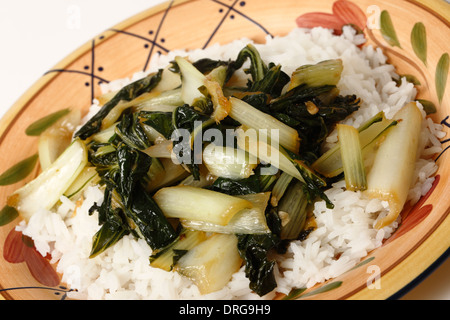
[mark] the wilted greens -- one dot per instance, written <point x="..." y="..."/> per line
<point x="147" y="145"/>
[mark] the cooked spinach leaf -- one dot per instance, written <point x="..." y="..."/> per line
<point x="131" y="132"/>
<point x="254" y="250"/>
<point x="127" y="93"/>
<point x="160" y="121"/>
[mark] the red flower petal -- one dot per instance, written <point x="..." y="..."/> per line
<point x="40" y="268"/>
<point x="13" y="247"/>
<point x="350" y="13"/>
<point x="320" y="19"/>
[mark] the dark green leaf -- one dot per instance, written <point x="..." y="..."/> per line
<point x="107" y="236"/>
<point x="131" y="132"/>
<point x="185" y="116"/>
<point x="19" y="171"/>
<point x="257" y="67"/>
<point x="160" y="121"/>
<point x="441" y="75"/>
<point x="272" y="83"/>
<point x="39" y="126"/>
<point x="419" y="41"/>
<point x="7" y="215"/>
<point x="133" y="166"/>
<point x="150" y="220"/>
<point x="237" y="187"/>
<point x="387" y="29"/>
<point x="254" y="250"/>
<point x="127" y="93"/>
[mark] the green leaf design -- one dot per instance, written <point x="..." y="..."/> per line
<point x="362" y="263"/>
<point x="387" y="29"/>
<point x="322" y="289"/>
<point x="409" y="77"/>
<point x="39" y="126"/>
<point x="7" y="214"/>
<point x="19" y="171"/>
<point x="419" y="41"/>
<point x="441" y="75"/>
<point x="297" y="293"/>
<point x="428" y="106"/>
<point x="294" y="294"/>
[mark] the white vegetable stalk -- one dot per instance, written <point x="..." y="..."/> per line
<point x="246" y="221"/>
<point x="228" y="162"/>
<point x="191" y="81"/>
<point x="253" y="118"/>
<point x="45" y="191"/>
<point x="211" y="264"/>
<point x="88" y="176"/>
<point x="187" y="240"/>
<point x="352" y="160"/>
<point x="192" y="203"/>
<point x="330" y="163"/>
<point x="392" y="172"/>
<point x="260" y="146"/>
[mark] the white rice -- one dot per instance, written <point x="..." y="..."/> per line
<point x="346" y="232"/>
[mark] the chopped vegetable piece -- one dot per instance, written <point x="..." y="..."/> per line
<point x="107" y="236"/>
<point x="167" y="258"/>
<point x="391" y="174"/>
<point x="254" y="250"/>
<point x="211" y="264"/>
<point x="246" y="221"/>
<point x="228" y="162"/>
<point x="191" y="81"/>
<point x="256" y="119"/>
<point x="330" y="163"/>
<point x="172" y="173"/>
<point x="292" y="211"/>
<point x="88" y="176"/>
<point x="259" y="145"/>
<point x="164" y="101"/>
<point x="352" y="160"/>
<point x="46" y="189"/>
<point x="56" y="138"/>
<point x="326" y="72"/>
<point x="280" y="187"/>
<point x="192" y="203"/>
<point x="127" y="93"/>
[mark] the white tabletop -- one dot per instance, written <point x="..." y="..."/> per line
<point x="35" y="35"/>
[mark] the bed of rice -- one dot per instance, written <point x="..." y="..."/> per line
<point x="346" y="232"/>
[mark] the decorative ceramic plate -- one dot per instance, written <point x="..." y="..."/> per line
<point x="411" y="35"/>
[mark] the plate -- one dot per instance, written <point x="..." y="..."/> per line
<point x="405" y="32"/>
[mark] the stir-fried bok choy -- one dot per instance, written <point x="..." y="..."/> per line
<point x="215" y="175"/>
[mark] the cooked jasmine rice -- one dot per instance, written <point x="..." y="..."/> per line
<point x="344" y="235"/>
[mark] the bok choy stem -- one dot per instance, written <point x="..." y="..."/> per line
<point x="352" y="160"/>
<point x="391" y="175"/>
<point x="46" y="190"/>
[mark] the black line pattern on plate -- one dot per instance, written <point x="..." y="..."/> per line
<point x="153" y="43"/>
<point x="92" y="74"/>
<point x="445" y="123"/>
<point x="60" y="291"/>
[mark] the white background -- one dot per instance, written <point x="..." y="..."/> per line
<point x="35" y="35"/>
